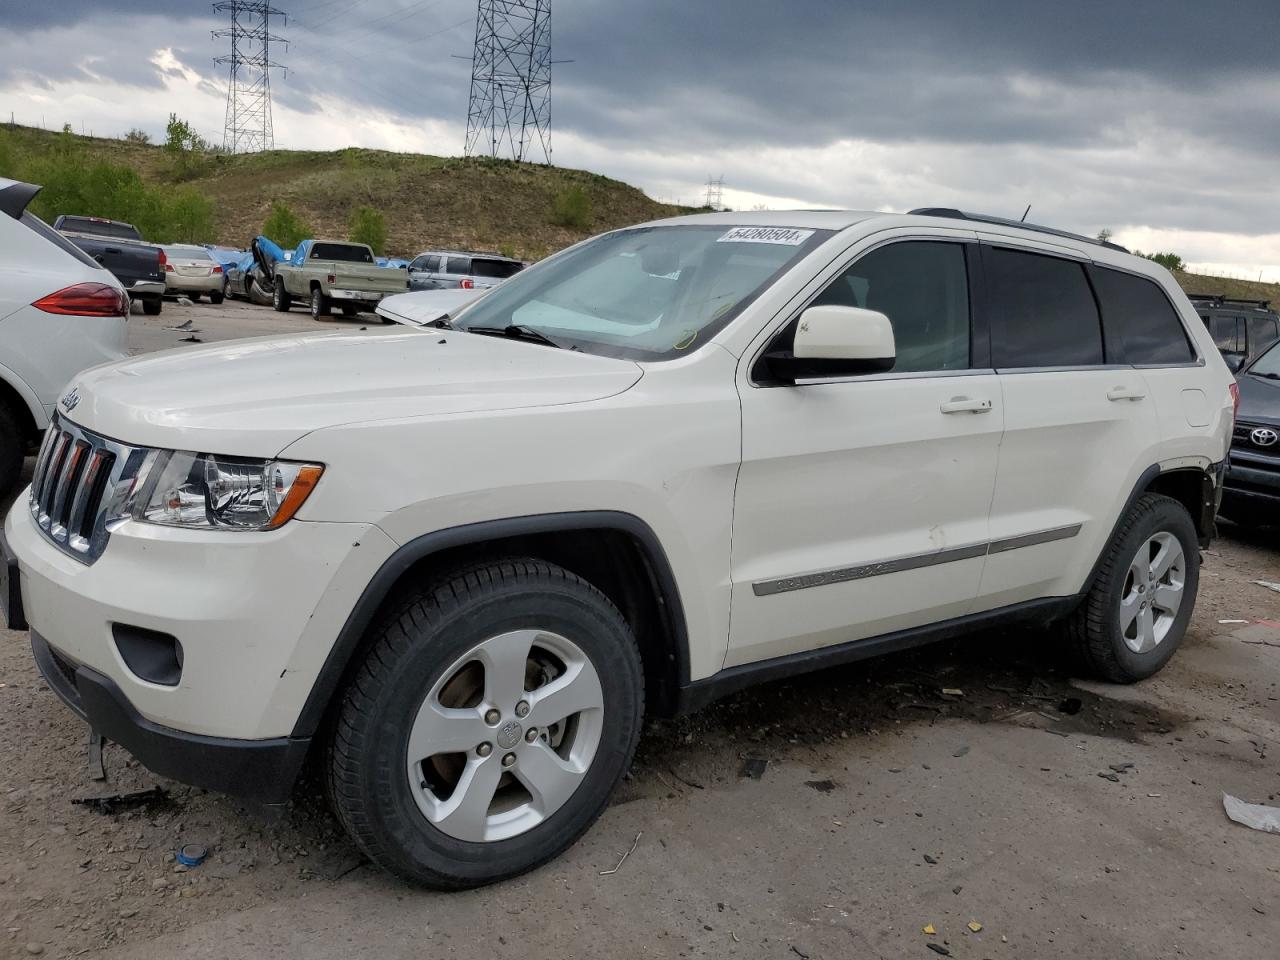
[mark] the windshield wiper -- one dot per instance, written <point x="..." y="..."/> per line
<point x="1268" y="375"/>
<point x="441" y="323"/>
<point x="516" y="331"/>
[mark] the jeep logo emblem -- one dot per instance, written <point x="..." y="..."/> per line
<point x="509" y="734"/>
<point x="1264" y="437"/>
<point x="71" y="399"/>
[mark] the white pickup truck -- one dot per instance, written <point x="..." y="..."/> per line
<point x="326" y="273"/>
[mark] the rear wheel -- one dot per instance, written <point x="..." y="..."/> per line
<point x="319" y="304"/>
<point x="1136" y="613"/>
<point x="13" y="448"/>
<point x="491" y="719"/>
<point x="217" y="296"/>
<point x="152" y="306"/>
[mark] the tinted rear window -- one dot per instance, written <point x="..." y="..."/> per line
<point x="1042" y="311"/>
<point x="58" y="240"/>
<point x="1140" y="322"/>
<point x="498" y="269"/>
<point x="113" y="231"/>
<point x="341" y="253"/>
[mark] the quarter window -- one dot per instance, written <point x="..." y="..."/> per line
<point x="1138" y="320"/>
<point x="1042" y="311"/>
<point x="923" y="288"/>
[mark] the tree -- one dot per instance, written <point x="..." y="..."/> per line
<point x="180" y="138"/>
<point x="1104" y="235"/>
<point x="572" y="208"/>
<point x="285" y="227"/>
<point x="369" y="226"/>
<point x="137" y="136"/>
<point x="1170" y="261"/>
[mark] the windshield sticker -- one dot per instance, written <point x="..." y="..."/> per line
<point x="787" y="236"/>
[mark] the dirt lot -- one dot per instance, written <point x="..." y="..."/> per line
<point x="885" y="805"/>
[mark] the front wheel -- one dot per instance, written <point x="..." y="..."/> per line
<point x="1136" y="613"/>
<point x="280" y="299"/>
<point x="491" y="719"/>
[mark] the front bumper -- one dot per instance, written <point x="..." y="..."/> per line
<point x="259" y="770"/>
<point x="1252" y="484"/>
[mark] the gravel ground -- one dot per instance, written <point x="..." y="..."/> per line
<point x="885" y="804"/>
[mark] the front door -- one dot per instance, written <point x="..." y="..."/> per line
<point x="862" y="504"/>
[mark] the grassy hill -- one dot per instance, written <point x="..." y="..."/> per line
<point x="451" y="202"/>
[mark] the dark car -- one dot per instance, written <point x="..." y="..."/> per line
<point x="1251" y="494"/>
<point x="1242" y="329"/>
<point x="118" y="246"/>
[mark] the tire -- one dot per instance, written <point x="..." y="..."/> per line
<point x="350" y="311"/>
<point x="193" y="297"/>
<point x="152" y="306"/>
<point x="319" y="304"/>
<point x="1113" y="635"/>
<point x="279" y="299"/>
<point x="13" y="448"/>
<point x="422" y="651"/>
<point x="217" y="296"/>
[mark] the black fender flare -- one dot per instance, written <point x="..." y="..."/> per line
<point x="328" y="681"/>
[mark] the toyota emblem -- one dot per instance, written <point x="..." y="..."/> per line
<point x="1264" y="437"/>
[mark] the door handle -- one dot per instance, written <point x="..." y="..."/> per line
<point x="965" y="405"/>
<point x="1126" y="393"/>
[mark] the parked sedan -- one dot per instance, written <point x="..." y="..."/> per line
<point x="445" y="269"/>
<point x="190" y="271"/>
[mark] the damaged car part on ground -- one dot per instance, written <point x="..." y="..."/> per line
<point x="517" y="546"/>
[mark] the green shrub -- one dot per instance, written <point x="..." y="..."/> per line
<point x="285" y="227"/>
<point x="572" y="208"/>
<point x="507" y="250"/>
<point x="137" y="136"/>
<point x="369" y="226"/>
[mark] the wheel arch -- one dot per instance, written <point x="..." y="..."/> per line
<point x="616" y="552"/>
<point x="18" y="396"/>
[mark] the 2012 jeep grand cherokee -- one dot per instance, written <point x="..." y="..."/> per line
<point x="674" y="459"/>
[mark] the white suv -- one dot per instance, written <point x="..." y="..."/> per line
<point x="673" y="460"/>
<point x="60" y="312"/>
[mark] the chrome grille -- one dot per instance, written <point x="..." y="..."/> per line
<point x="76" y="485"/>
<point x="1242" y="438"/>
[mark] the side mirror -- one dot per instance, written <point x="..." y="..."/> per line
<point x="835" y="342"/>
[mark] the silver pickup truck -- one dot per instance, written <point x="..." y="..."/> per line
<point x="326" y="273"/>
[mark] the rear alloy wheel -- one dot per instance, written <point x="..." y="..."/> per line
<point x="279" y="299"/>
<point x="1136" y="613"/>
<point x="319" y="304"/>
<point x="488" y="725"/>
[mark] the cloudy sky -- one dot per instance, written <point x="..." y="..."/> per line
<point x="1159" y="119"/>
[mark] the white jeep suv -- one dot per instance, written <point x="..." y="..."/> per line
<point x="464" y="561"/>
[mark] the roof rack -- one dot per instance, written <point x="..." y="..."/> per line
<point x="1221" y="298"/>
<point x="951" y="213"/>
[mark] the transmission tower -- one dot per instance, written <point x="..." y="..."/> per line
<point x="715" y="192"/>
<point x="510" y="108"/>
<point x="248" y="123"/>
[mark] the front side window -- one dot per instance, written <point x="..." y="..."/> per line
<point x="419" y="264"/>
<point x="923" y="288"/>
<point x="648" y="293"/>
<point x="1042" y="311"/>
<point x="1140" y="323"/>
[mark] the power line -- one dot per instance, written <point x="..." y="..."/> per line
<point x="248" y="125"/>
<point x="510" y="105"/>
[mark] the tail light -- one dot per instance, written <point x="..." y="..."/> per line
<point x="217" y="268"/>
<point x="164" y="263"/>
<point x="168" y="267"/>
<point x="467" y="284"/>
<point x="331" y="279"/>
<point x="86" y="300"/>
<point x="1235" y="399"/>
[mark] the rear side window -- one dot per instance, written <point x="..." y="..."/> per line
<point x="1228" y="332"/>
<point x="459" y="265"/>
<point x="1140" y="323"/>
<point x="1042" y="311"/>
<point x="923" y="288"/>
<point x="30" y="220"/>
<point x="1263" y="331"/>
<point x="498" y="269"/>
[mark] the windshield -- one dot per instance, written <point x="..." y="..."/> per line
<point x="649" y="293"/>
<point x="183" y="252"/>
<point x="1267" y="365"/>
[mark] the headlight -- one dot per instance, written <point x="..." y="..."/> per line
<point x="184" y="489"/>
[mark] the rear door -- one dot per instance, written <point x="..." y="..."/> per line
<point x="1079" y="425"/>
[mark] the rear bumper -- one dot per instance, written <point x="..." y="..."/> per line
<point x="259" y="770"/>
<point x="175" y="284"/>
<point x="145" y="288"/>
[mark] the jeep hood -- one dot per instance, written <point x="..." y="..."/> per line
<point x="255" y="397"/>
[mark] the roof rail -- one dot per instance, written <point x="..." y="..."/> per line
<point x="1222" y="298"/>
<point x="951" y="213"/>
